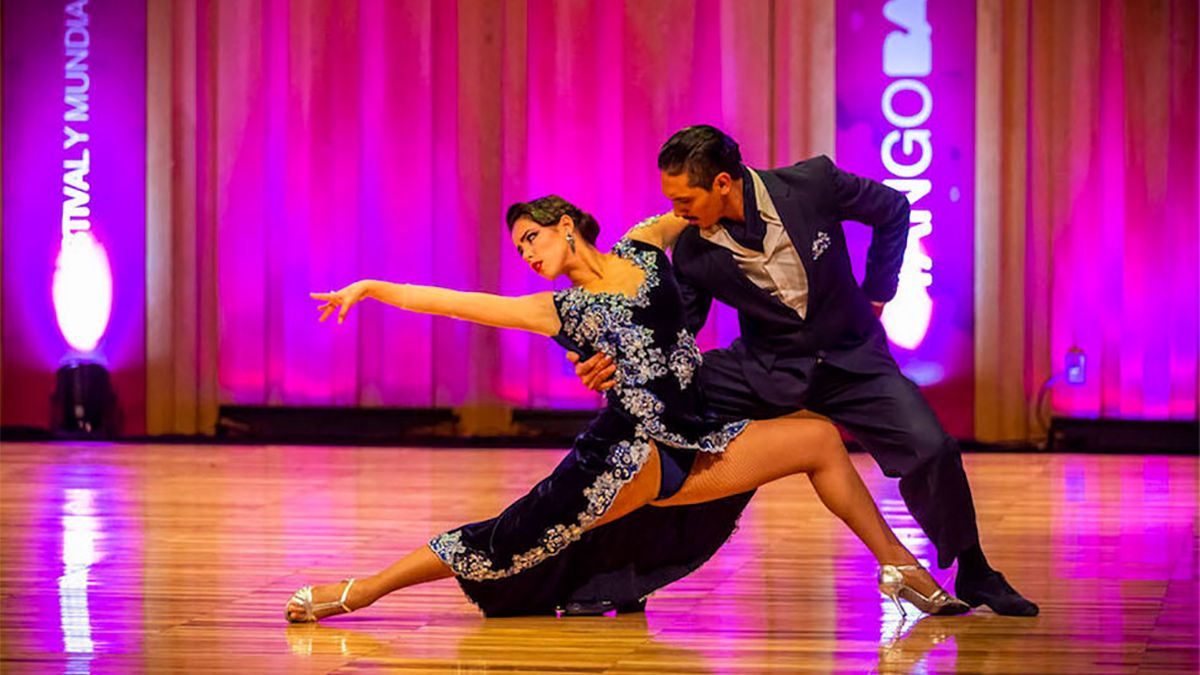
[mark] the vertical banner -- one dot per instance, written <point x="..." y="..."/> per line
<point x="906" y="117"/>
<point x="74" y="235"/>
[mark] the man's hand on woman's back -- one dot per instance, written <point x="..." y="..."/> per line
<point x="598" y="373"/>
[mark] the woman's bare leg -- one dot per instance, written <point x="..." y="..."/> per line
<point x="423" y="565"/>
<point x="771" y="449"/>
<point x="418" y="567"/>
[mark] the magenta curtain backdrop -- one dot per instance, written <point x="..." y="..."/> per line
<point x="337" y="140"/>
<point x="320" y="141"/>
<point x="1112" y="212"/>
<point x="297" y="145"/>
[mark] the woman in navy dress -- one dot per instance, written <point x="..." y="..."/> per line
<point x="654" y="486"/>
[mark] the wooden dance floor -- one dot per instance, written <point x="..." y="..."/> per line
<point x="155" y="558"/>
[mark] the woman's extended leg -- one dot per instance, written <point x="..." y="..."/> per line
<point x="423" y="565"/>
<point x="771" y="449"/>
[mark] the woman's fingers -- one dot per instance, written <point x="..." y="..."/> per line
<point x="331" y="299"/>
<point x="331" y="302"/>
<point x="345" y="308"/>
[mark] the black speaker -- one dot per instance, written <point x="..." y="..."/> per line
<point x="83" y="404"/>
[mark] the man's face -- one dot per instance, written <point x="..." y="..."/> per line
<point x="701" y="207"/>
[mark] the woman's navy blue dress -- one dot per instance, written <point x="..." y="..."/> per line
<point x="535" y="557"/>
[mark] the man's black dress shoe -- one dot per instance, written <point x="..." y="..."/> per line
<point x="993" y="590"/>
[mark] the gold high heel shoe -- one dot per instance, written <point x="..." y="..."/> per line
<point x="304" y="599"/>
<point x="892" y="584"/>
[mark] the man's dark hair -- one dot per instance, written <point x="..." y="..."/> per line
<point x="703" y="151"/>
<point x="547" y="211"/>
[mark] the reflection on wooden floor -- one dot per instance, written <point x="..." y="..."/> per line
<point x="148" y="558"/>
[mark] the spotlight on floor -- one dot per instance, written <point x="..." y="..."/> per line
<point x="84" y="404"/>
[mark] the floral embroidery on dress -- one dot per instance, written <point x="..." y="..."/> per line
<point x="605" y="322"/>
<point x="645" y="260"/>
<point x="713" y="442"/>
<point x="598" y="319"/>
<point x="585" y="314"/>
<point x="626" y="459"/>
<point x="718" y="440"/>
<point x="685" y="358"/>
<point x="642" y="361"/>
<point x="640" y="402"/>
<point x="642" y="225"/>
<point x="574" y="299"/>
<point x="619" y="325"/>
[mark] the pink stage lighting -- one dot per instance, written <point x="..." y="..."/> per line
<point x="906" y="318"/>
<point x="83" y="290"/>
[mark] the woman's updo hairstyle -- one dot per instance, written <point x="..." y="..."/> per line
<point x="548" y="210"/>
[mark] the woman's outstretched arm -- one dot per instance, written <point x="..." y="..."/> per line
<point x="534" y="313"/>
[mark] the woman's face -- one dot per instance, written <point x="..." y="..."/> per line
<point x="543" y="247"/>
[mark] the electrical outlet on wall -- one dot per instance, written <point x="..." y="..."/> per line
<point x="1076" y="366"/>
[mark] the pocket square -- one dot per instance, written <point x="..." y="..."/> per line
<point x="820" y="243"/>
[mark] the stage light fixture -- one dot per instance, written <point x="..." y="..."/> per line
<point x="83" y="404"/>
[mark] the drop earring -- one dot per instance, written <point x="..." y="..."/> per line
<point x="571" y="241"/>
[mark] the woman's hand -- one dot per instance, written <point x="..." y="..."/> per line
<point x="345" y="299"/>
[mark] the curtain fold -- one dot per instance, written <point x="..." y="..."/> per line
<point x="182" y="313"/>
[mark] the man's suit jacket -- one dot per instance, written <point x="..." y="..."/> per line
<point x="812" y="197"/>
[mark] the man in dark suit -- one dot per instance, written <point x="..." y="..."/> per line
<point x="770" y="244"/>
